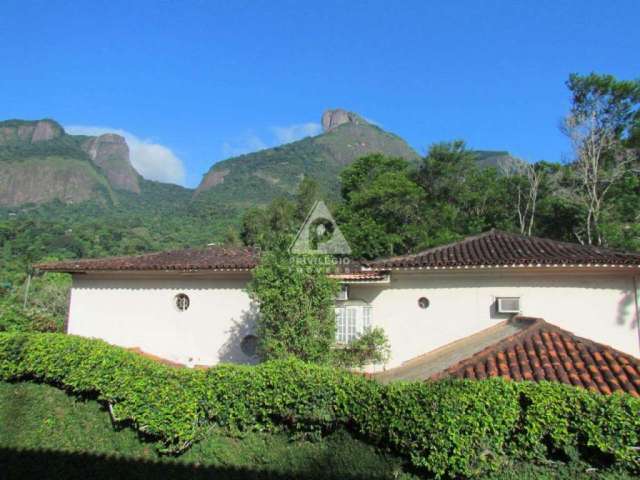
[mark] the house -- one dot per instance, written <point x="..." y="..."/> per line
<point x="191" y="306"/>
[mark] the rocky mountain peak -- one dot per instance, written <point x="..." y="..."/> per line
<point x="111" y="153"/>
<point x="46" y="130"/>
<point x="333" y="118"/>
<point x="21" y="131"/>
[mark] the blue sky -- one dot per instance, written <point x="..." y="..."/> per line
<point x="193" y="82"/>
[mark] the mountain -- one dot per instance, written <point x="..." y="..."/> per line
<point x="502" y="160"/>
<point x="40" y="163"/>
<point x="261" y="176"/>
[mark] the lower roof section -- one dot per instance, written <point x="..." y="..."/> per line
<point x="527" y="349"/>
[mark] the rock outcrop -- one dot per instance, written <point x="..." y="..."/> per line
<point x="213" y="178"/>
<point x="110" y="152"/>
<point x="336" y="117"/>
<point x="36" y="181"/>
<point x="19" y="131"/>
<point x="40" y="163"/>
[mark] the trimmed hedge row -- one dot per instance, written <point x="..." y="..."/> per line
<point x="450" y="428"/>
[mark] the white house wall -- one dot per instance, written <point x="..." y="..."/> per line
<point x="597" y="306"/>
<point x="140" y="312"/>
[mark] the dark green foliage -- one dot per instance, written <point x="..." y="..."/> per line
<point x="461" y="196"/>
<point x="381" y="213"/>
<point x="449" y="428"/>
<point x="277" y="223"/>
<point x="296" y="299"/>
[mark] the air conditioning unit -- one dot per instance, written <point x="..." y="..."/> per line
<point x="343" y="294"/>
<point x="508" y="304"/>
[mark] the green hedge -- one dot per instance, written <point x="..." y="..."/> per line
<point x="450" y="428"/>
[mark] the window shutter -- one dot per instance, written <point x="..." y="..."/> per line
<point x="351" y="323"/>
<point x="366" y="319"/>
<point x="341" y="336"/>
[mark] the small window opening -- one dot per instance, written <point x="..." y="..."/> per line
<point x="423" y="302"/>
<point x="182" y="302"/>
<point x="249" y="345"/>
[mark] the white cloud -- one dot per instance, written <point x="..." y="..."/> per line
<point x="152" y="160"/>
<point x="247" y="143"/>
<point x="295" y="132"/>
<point x="252" y="142"/>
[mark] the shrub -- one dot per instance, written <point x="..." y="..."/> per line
<point x="15" y="318"/>
<point x="296" y="299"/>
<point x="297" y="313"/>
<point x="449" y="428"/>
<point x="370" y="347"/>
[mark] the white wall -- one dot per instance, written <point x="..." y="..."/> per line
<point x="140" y="312"/>
<point x="597" y="306"/>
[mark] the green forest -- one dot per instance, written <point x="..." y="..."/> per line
<point x="386" y="205"/>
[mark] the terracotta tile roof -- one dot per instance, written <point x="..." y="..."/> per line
<point x="496" y="248"/>
<point x="209" y="258"/>
<point x="545" y="352"/>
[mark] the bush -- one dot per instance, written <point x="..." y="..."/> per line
<point x="372" y="347"/>
<point x="450" y="428"/>
<point x="297" y="313"/>
<point x="15" y="318"/>
<point x="296" y="299"/>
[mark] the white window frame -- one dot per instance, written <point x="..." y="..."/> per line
<point x="353" y="318"/>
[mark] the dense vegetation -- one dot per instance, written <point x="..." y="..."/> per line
<point x="160" y="218"/>
<point x="447" y="428"/>
<point x="47" y="433"/>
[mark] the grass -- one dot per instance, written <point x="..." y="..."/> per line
<point x="45" y="433"/>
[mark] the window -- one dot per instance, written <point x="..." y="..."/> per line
<point x="423" y="302"/>
<point x="182" y="302"/>
<point x="353" y="318"/>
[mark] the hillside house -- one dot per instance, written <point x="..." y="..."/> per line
<point x="191" y="306"/>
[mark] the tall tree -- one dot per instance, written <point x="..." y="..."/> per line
<point x="308" y="192"/>
<point x="461" y="197"/>
<point x="527" y="186"/>
<point x="604" y="113"/>
<point x="381" y="212"/>
<point x="266" y="226"/>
